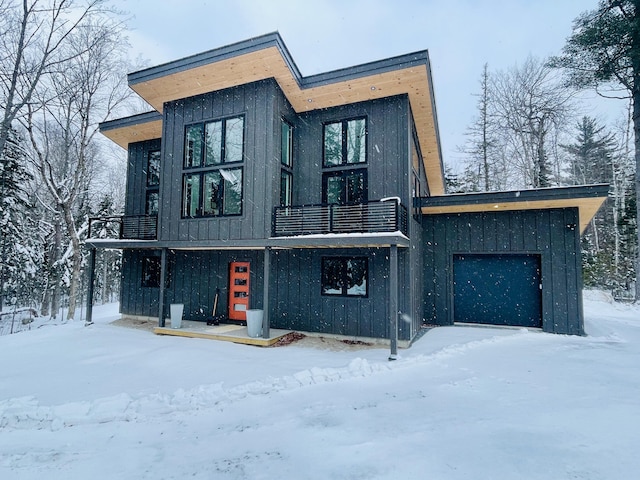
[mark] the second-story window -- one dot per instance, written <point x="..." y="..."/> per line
<point x="345" y="142"/>
<point x="286" y="161"/>
<point x="212" y="176"/>
<point x="345" y="145"/>
<point x="153" y="182"/>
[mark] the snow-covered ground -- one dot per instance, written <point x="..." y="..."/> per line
<point x="109" y="402"/>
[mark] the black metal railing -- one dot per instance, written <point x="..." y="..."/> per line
<point x="372" y="217"/>
<point x="130" y="227"/>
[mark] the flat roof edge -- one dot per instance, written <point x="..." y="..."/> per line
<point x="399" y="62"/>
<point x="215" y="55"/>
<point x="275" y="40"/>
<point x="540" y="194"/>
<point x="130" y="121"/>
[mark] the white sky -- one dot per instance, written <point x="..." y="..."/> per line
<point x="323" y="35"/>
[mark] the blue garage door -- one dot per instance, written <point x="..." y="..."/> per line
<point x="497" y="289"/>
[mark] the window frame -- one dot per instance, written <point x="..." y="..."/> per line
<point x="153" y="172"/>
<point x="217" y="159"/>
<point x="343" y="176"/>
<point x="152" y="183"/>
<point x="343" y="262"/>
<point x="151" y="271"/>
<point x="286" y="163"/>
<point x="286" y="188"/>
<point x="344" y="142"/>
<point x="222" y="195"/>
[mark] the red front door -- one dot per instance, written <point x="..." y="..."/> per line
<point x="238" y="290"/>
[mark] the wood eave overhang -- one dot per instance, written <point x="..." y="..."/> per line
<point x="587" y="198"/>
<point x="137" y="128"/>
<point x="267" y="57"/>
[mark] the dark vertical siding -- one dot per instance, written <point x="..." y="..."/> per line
<point x="194" y="278"/>
<point x="387" y="149"/>
<point x="296" y="302"/>
<point x="299" y="305"/>
<point x="544" y="232"/>
<point x="137" y="176"/>
<point x="256" y="101"/>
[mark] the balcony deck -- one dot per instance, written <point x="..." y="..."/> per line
<point x="372" y="217"/>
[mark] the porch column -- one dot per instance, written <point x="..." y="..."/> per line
<point x="393" y="301"/>
<point x="163" y="276"/>
<point x="265" y="290"/>
<point x="92" y="274"/>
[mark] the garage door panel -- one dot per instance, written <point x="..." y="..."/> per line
<point x="497" y="289"/>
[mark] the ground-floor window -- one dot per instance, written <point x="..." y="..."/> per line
<point x="345" y="276"/>
<point x="151" y="272"/>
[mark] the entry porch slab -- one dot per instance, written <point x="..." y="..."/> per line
<point x="224" y="332"/>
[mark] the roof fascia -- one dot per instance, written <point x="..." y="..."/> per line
<point x="540" y="194"/>
<point x="216" y="55"/>
<point x="130" y="121"/>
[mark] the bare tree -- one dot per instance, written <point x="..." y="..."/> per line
<point x="33" y="36"/>
<point x="63" y="126"/>
<point x="531" y="107"/>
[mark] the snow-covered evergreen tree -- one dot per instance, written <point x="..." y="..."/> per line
<point x="20" y="248"/>
<point x="594" y="157"/>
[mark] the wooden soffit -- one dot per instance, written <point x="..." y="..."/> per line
<point x="238" y="65"/>
<point x="588" y="199"/>
<point x="147" y="126"/>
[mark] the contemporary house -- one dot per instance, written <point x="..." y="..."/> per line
<point x="321" y="201"/>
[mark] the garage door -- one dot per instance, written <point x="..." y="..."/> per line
<point x="497" y="289"/>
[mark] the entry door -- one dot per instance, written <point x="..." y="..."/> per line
<point x="238" y="290"/>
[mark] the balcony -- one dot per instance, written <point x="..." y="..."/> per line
<point x="373" y="217"/>
<point x="131" y="227"/>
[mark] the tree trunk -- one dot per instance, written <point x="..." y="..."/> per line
<point x="54" y="283"/>
<point x="76" y="261"/>
<point x="636" y="131"/>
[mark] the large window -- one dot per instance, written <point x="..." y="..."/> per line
<point x="345" y="276"/>
<point x="210" y="187"/>
<point x="345" y="142"/>
<point x="344" y="145"/>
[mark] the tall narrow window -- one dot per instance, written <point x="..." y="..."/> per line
<point x="153" y="168"/>
<point x="286" y="160"/>
<point x="209" y="187"/>
<point x="151" y="272"/>
<point x="152" y="201"/>
<point x="193" y="146"/>
<point x="153" y="182"/>
<point x="285" y="189"/>
<point x="286" y="155"/>
<point x="191" y="192"/>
